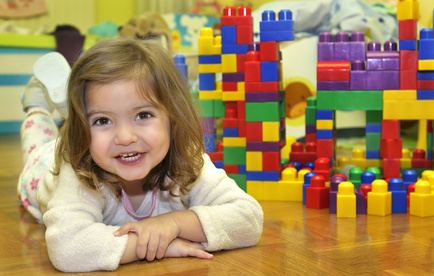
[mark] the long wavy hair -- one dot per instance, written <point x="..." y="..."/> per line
<point x="151" y="67"/>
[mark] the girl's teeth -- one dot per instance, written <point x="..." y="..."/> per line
<point x="130" y="157"/>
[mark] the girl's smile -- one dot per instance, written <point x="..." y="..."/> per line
<point x="130" y="136"/>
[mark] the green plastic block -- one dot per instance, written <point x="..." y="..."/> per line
<point x="373" y="141"/>
<point x="350" y="100"/>
<point x="374" y="116"/>
<point x="234" y="155"/>
<point x="207" y="108"/>
<point x="241" y="180"/>
<point x="262" y="112"/>
<point x="219" y="108"/>
<point x="310" y="115"/>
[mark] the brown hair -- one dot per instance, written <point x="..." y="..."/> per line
<point x="150" y="66"/>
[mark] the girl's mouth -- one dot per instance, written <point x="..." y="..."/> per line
<point x="130" y="157"/>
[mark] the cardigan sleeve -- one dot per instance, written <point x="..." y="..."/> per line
<point x="77" y="239"/>
<point x="229" y="217"/>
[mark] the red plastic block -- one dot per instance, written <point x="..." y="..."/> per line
<point x="418" y="160"/>
<point x="241" y="106"/>
<point x="229" y="86"/>
<point x="241" y="58"/>
<point x="241" y="127"/>
<point x="390" y="129"/>
<point x="252" y="67"/>
<point x="322" y="167"/>
<point x="232" y="169"/>
<point x="408" y="79"/>
<point x="269" y="51"/>
<point x="317" y="195"/>
<point x="215" y="156"/>
<point x="298" y="154"/>
<point x="408" y="59"/>
<point x="324" y="148"/>
<point x="230" y="123"/>
<point x="230" y="18"/>
<point x="271" y="161"/>
<point x="407" y="29"/>
<point x="333" y="74"/>
<point x="244" y="34"/>
<point x="425" y="84"/>
<point x="365" y="189"/>
<point x="254" y="131"/>
<point x="256" y="86"/>
<point x="391" y="168"/>
<point x="310" y="137"/>
<point x="391" y="148"/>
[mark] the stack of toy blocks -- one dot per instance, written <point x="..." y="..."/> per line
<point x="210" y="95"/>
<point x="265" y="106"/>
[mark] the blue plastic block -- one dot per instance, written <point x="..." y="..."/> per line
<point x="242" y="169"/>
<point x="407" y="44"/>
<point x="206" y="81"/>
<point x="219" y="164"/>
<point x="399" y="195"/>
<point x="180" y="64"/>
<point x="306" y="183"/>
<point x="276" y="36"/>
<point x="262" y="176"/>
<point x="426" y="44"/>
<point x="229" y="35"/>
<point x="409" y="177"/>
<point x="324" y="114"/>
<point x="209" y="142"/>
<point x="230" y="132"/>
<point x="310" y="165"/>
<point x="425" y="94"/>
<point x="269" y="71"/>
<point x="235" y="49"/>
<point x="324" y="134"/>
<point x="267" y="26"/>
<point x="372" y="154"/>
<point x="367" y="178"/>
<point x="425" y="75"/>
<point x="210" y="59"/>
<point x="296" y="164"/>
<point x="373" y="128"/>
<point x="429" y="155"/>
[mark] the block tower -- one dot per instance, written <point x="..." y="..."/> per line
<point x="250" y="92"/>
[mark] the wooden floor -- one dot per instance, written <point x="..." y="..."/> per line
<point x="296" y="241"/>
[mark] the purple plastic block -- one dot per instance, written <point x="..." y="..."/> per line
<point x="262" y="146"/>
<point x="254" y="46"/>
<point x="264" y="96"/>
<point x="390" y="80"/>
<point x="390" y="46"/>
<point x="374" y="46"/>
<point x="358" y="65"/>
<point x="207" y="125"/>
<point x="310" y="129"/>
<point x="254" y="146"/>
<point x="341" y="47"/>
<point x="386" y="60"/>
<point x="233" y="77"/>
<point x="325" y="47"/>
<point x="361" y="204"/>
<point x="374" y="80"/>
<point x="358" y="80"/>
<point x="334" y="182"/>
<point x="333" y="85"/>
<point x="333" y="200"/>
<point x="357" y="46"/>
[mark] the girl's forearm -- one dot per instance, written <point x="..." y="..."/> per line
<point x="189" y="226"/>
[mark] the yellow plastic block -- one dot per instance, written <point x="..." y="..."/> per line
<point x="400" y="95"/>
<point x="241" y="86"/>
<point x="219" y="85"/>
<point x="209" y="68"/>
<point x="270" y="131"/>
<point x="377" y="163"/>
<point x="324" y="124"/>
<point x="229" y="63"/>
<point x="425" y="64"/>
<point x="379" y="199"/>
<point x="358" y="158"/>
<point x="206" y="42"/>
<point x="217" y="48"/>
<point x="346" y="201"/>
<point x="233" y="96"/>
<point x="234" y="141"/>
<point x="210" y="95"/>
<point x="407" y="9"/>
<point x="405" y="161"/>
<point x="422" y="200"/>
<point x="286" y="150"/>
<point x="255" y="189"/>
<point x="253" y="160"/>
<point x="289" y="188"/>
<point x="408" y="110"/>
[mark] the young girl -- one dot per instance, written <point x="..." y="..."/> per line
<point x="127" y="179"/>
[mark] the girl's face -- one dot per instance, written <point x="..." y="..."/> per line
<point x="130" y="136"/>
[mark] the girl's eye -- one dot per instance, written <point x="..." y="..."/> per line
<point x="101" y="121"/>
<point x="144" y="115"/>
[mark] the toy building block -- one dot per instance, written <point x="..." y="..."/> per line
<point x="422" y="200"/>
<point x="232" y="16"/>
<point x="333" y="71"/>
<point x="252" y="67"/>
<point x="365" y="183"/>
<point x="350" y="100"/>
<point x="419" y="161"/>
<point x="377" y="60"/>
<point x="208" y="45"/>
<point x="272" y="30"/>
<point x="407" y="29"/>
<point x="391" y="168"/>
<point x="355" y="176"/>
<point x="426" y="44"/>
<point x="323" y="168"/>
<point x="269" y="51"/>
<point x="255" y="189"/>
<point x="346" y="201"/>
<point x="399" y="195"/>
<point x="379" y="199"/>
<point x="407" y="10"/>
<point x="293" y="187"/>
<point x="405" y="161"/>
<point x="409" y="177"/>
<point x="317" y="194"/>
<point x="307" y="176"/>
<point x="334" y="183"/>
<point x="358" y="158"/>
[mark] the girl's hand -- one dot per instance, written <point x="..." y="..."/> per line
<point x="184" y="248"/>
<point x="154" y="235"/>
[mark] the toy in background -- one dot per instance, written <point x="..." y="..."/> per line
<point x="150" y="25"/>
<point x="207" y="7"/>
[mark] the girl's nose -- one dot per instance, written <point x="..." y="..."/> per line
<point x="125" y="135"/>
